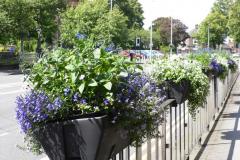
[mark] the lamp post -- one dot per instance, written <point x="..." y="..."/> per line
<point x="208" y="37"/>
<point x="171" y="41"/>
<point x="111" y="5"/>
<point x="151" y="41"/>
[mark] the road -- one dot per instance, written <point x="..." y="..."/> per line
<point x="11" y="85"/>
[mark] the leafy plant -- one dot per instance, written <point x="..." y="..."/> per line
<point x="70" y="83"/>
<point x="178" y="70"/>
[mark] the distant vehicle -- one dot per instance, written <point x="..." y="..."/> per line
<point x="155" y="53"/>
<point x="129" y="53"/>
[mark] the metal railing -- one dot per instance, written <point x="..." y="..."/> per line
<point x="180" y="132"/>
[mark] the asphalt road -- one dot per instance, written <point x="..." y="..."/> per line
<point x="11" y="85"/>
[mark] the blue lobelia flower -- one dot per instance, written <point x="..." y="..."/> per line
<point x="80" y="36"/>
<point x="76" y="97"/>
<point x="67" y="91"/>
<point x="35" y="107"/>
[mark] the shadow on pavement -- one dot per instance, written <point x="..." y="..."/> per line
<point x="10" y="71"/>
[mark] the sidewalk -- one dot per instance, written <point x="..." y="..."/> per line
<point x="224" y="143"/>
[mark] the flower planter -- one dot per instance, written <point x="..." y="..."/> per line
<point x="178" y="91"/>
<point x="82" y="139"/>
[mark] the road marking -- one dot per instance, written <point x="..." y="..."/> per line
<point x="8" y="85"/>
<point x="4" y="134"/>
<point x="12" y="92"/>
<point x="45" y="158"/>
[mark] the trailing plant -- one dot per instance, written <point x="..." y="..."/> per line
<point x="204" y="59"/>
<point x="85" y="81"/>
<point x="178" y="70"/>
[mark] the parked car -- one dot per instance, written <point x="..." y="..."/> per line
<point x="131" y="53"/>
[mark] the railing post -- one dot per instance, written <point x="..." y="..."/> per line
<point x="163" y="137"/>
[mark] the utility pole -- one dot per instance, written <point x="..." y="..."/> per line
<point x="151" y="41"/>
<point x="111" y="5"/>
<point x="208" y="37"/>
<point x="171" y="44"/>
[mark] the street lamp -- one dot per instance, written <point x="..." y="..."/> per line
<point x="111" y="5"/>
<point x="151" y="40"/>
<point x="208" y="37"/>
<point x="171" y="41"/>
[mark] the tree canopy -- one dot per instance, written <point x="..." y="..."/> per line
<point x="133" y="10"/>
<point x="217" y="24"/>
<point x="234" y="22"/>
<point x="162" y="26"/>
<point x="94" y="19"/>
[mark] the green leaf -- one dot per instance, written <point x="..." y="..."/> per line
<point x="123" y="74"/>
<point x="97" y="53"/>
<point x="81" y="88"/>
<point x="45" y="81"/>
<point x="140" y="67"/>
<point x="93" y="83"/>
<point x="108" y="86"/>
<point x="74" y="77"/>
<point x="70" y="67"/>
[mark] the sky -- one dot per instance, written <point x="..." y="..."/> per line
<point x="190" y="12"/>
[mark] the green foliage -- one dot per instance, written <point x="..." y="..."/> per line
<point x="216" y="22"/>
<point x="83" y="70"/>
<point x="234" y="22"/>
<point x="165" y="49"/>
<point x="133" y="10"/>
<point x="204" y="59"/>
<point x="178" y="70"/>
<point x="144" y="35"/>
<point x="5" y="25"/>
<point x="94" y="19"/>
<point x="26" y="16"/>
<point x="102" y="83"/>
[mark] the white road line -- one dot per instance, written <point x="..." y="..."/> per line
<point x="11" y="92"/>
<point x="4" y="134"/>
<point x="8" y="85"/>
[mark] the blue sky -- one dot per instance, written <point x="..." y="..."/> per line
<point x="190" y="12"/>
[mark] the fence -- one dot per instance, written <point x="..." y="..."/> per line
<point x="181" y="132"/>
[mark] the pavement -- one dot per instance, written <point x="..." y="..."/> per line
<point x="11" y="85"/>
<point x="224" y="142"/>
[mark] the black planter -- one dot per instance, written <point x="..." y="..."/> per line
<point x="82" y="139"/>
<point x="178" y="91"/>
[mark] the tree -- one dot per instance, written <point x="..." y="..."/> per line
<point x="29" y="17"/>
<point x="46" y="19"/>
<point x="234" y="22"/>
<point x="20" y="14"/>
<point x="133" y="10"/>
<point x="5" y="25"/>
<point x="217" y="25"/>
<point x="216" y="22"/>
<point x="144" y="35"/>
<point x="222" y="6"/>
<point x="162" y="25"/>
<point x="94" y="19"/>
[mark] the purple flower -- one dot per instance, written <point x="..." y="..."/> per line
<point x="80" y="36"/>
<point x="106" y="102"/>
<point x="83" y="101"/>
<point x="34" y="108"/>
<point x="76" y="97"/>
<point x="58" y="102"/>
<point x="67" y="91"/>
